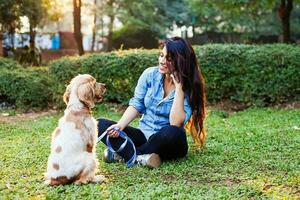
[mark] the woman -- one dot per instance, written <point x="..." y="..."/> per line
<point x="167" y="96"/>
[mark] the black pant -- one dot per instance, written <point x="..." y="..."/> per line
<point x="169" y="143"/>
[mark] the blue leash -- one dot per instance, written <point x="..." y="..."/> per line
<point x="123" y="135"/>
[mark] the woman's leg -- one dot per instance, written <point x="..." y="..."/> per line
<point x="134" y="134"/>
<point x="169" y="143"/>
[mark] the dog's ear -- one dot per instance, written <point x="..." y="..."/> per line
<point x="67" y="93"/>
<point x="86" y="94"/>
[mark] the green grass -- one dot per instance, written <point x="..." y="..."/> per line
<point x="250" y="154"/>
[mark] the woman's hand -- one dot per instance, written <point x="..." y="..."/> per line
<point x="129" y="114"/>
<point x="178" y="86"/>
<point x="177" y="114"/>
<point x="112" y="131"/>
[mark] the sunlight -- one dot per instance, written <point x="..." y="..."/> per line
<point x="24" y="24"/>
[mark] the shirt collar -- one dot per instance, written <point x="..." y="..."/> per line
<point x="160" y="78"/>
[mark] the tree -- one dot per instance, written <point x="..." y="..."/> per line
<point x="229" y="15"/>
<point x="151" y="16"/>
<point x="94" y="25"/>
<point x="156" y="15"/>
<point x="38" y="12"/>
<point x="35" y="11"/>
<point x="9" y="15"/>
<point x="112" y="9"/>
<point x="111" y="16"/>
<point x="284" y="13"/>
<point x="249" y="14"/>
<point x="77" y="25"/>
<point x="9" y="18"/>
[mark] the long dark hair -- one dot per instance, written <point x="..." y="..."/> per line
<point x="182" y="63"/>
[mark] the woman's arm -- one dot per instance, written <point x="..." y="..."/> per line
<point x="136" y="105"/>
<point x="177" y="114"/>
<point x="129" y="115"/>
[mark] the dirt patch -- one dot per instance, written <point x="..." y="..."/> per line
<point x="289" y="105"/>
<point x="24" y="116"/>
<point x="228" y="106"/>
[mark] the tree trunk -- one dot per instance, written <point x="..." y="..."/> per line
<point x="284" y="13"/>
<point x="1" y="45"/>
<point x="110" y="26"/>
<point x="94" y="26"/>
<point x="12" y="40"/>
<point x="104" y="46"/>
<point x="77" y="25"/>
<point x="32" y="58"/>
<point x="31" y="36"/>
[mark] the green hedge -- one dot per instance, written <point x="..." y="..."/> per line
<point x="253" y="74"/>
<point x="257" y="75"/>
<point x="118" y="70"/>
<point x="26" y="88"/>
<point x="7" y="63"/>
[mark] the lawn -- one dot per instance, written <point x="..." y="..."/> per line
<point x="253" y="154"/>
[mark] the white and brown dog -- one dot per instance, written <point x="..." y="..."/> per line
<point x="72" y="157"/>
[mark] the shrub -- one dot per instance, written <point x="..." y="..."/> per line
<point x="252" y="74"/>
<point x="27" y="88"/>
<point x="118" y="70"/>
<point x="7" y="63"/>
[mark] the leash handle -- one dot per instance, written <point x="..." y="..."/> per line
<point x="123" y="135"/>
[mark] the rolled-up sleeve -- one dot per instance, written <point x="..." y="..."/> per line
<point x="139" y="93"/>
<point x="187" y="110"/>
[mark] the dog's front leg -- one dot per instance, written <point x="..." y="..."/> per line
<point x="91" y="143"/>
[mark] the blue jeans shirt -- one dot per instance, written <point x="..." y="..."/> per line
<point x="149" y="100"/>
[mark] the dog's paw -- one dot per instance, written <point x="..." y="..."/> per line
<point x="99" y="179"/>
<point x="47" y="182"/>
<point x="77" y="183"/>
<point x="80" y="182"/>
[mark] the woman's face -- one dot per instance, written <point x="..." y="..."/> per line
<point x="162" y="66"/>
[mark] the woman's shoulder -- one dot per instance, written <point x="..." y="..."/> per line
<point x="150" y="70"/>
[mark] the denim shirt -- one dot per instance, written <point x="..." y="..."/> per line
<point x="149" y="100"/>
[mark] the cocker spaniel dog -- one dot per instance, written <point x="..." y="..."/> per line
<point x="72" y="157"/>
